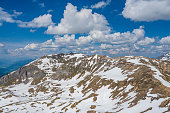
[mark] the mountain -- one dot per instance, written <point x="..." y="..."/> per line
<point x="14" y="66"/>
<point x="165" y="57"/>
<point x="80" y="83"/>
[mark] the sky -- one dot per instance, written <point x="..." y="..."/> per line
<point x="33" y="28"/>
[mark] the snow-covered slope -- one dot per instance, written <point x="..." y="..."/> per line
<point x="165" y="57"/>
<point x="79" y="83"/>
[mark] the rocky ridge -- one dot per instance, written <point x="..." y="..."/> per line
<point x="79" y="83"/>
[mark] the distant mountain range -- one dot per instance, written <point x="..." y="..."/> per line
<point x="87" y="84"/>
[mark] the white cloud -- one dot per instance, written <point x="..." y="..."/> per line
<point x="96" y="35"/>
<point x="84" y="40"/>
<point x="50" y="10"/>
<point x="65" y="41"/>
<point x="160" y="48"/>
<point x="147" y="10"/>
<point x="146" y="41"/>
<point x="101" y="4"/>
<point x="120" y="42"/>
<point x="41" y="21"/>
<point x="32" y="46"/>
<point x="165" y="40"/>
<point x="105" y="46"/>
<point x="3" y="49"/>
<point x="42" y="5"/>
<point x="6" y="17"/>
<point x="104" y="37"/>
<point x="75" y="21"/>
<point x="136" y="47"/>
<point x="1" y="45"/>
<point x="122" y="49"/>
<point x="60" y="42"/>
<point x="32" y="30"/>
<point x="117" y="38"/>
<point x="113" y="52"/>
<point x="127" y="43"/>
<point x="16" y="13"/>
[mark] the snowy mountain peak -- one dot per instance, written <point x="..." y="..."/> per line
<point x="80" y="83"/>
<point x="165" y="57"/>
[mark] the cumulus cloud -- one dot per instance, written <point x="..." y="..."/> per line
<point x="41" y="21"/>
<point x="146" y="41"/>
<point x="165" y="40"/>
<point x="152" y="10"/>
<point x="127" y="43"/>
<point x="75" y="21"/>
<point x="65" y="41"/>
<point x="59" y="42"/>
<point x="101" y="4"/>
<point x="6" y="17"/>
<point x="96" y="41"/>
<point x="95" y="36"/>
<point x="117" y="38"/>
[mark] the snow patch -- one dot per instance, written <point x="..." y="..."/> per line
<point x="114" y="74"/>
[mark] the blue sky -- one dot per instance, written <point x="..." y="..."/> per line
<point x="32" y="28"/>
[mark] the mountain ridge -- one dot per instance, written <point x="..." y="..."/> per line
<point x="79" y="83"/>
<point x="165" y="57"/>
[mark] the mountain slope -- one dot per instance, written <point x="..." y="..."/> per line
<point x="79" y="83"/>
<point x="165" y="57"/>
<point x="14" y="66"/>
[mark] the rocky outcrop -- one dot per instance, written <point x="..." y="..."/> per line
<point x="22" y="75"/>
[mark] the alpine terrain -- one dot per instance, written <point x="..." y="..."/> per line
<point x="87" y="84"/>
<point x="165" y="56"/>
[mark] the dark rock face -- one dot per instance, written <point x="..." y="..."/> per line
<point x="22" y="75"/>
